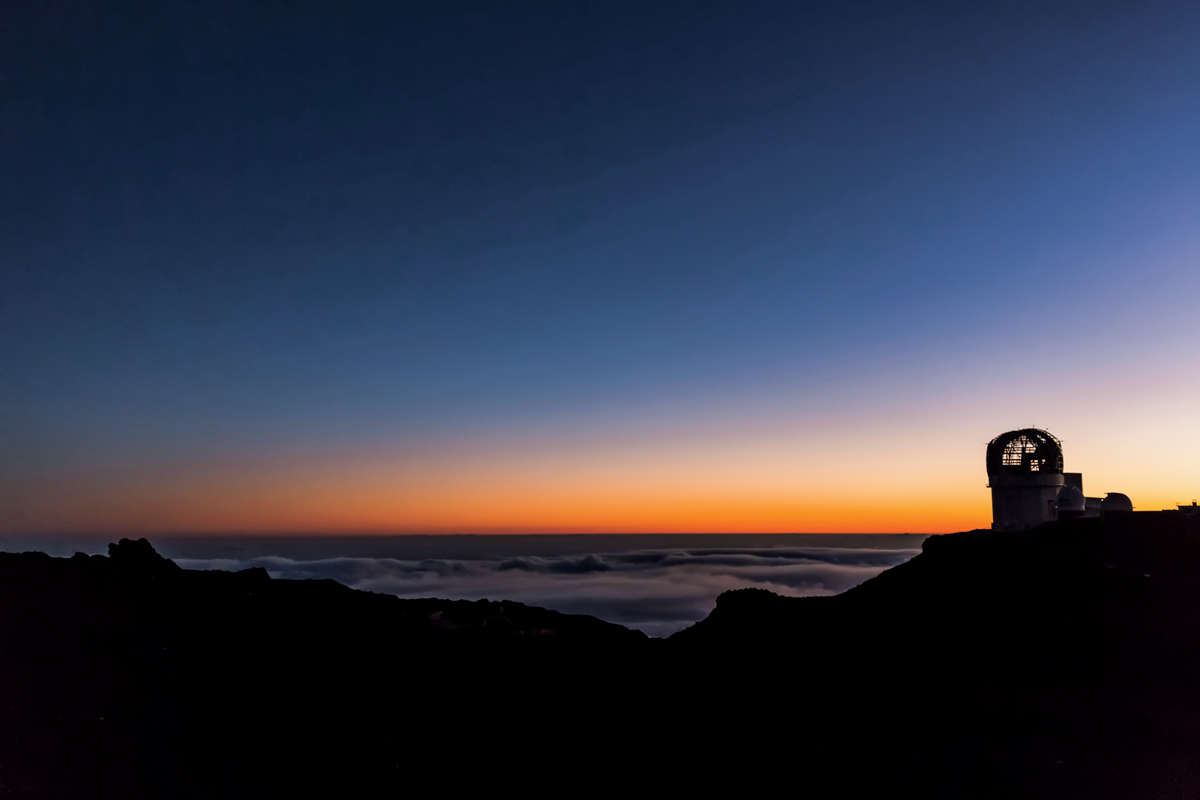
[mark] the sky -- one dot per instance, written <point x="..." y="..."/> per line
<point x="590" y="267"/>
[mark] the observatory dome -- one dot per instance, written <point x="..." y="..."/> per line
<point x="1115" y="501"/>
<point x="1025" y="452"/>
<point x="1071" y="499"/>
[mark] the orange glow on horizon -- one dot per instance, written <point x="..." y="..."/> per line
<point x="904" y="473"/>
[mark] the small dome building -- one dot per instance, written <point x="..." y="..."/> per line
<point x="1071" y="502"/>
<point x="1115" y="501"/>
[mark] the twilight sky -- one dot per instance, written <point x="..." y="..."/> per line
<point x="590" y="266"/>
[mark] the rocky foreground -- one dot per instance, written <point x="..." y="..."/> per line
<point x="1063" y="662"/>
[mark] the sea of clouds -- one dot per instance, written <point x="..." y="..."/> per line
<point x="658" y="591"/>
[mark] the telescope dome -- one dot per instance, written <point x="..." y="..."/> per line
<point x="1024" y="452"/>
<point x="1070" y="498"/>
<point x="1115" y="501"/>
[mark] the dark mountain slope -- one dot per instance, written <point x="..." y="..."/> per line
<point x="1058" y="662"/>
<point x="1062" y="662"/>
<point x="130" y="676"/>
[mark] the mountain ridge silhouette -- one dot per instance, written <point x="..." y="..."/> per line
<point x="1058" y="662"/>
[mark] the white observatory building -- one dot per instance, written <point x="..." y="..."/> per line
<point x="1029" y="487"/>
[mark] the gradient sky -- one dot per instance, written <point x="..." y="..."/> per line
<point x="590" y="266"/>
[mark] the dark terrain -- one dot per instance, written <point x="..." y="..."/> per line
<point x="1061" y="662"/>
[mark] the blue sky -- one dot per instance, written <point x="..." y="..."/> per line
<point x="299" y="230"/>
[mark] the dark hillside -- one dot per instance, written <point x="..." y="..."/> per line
<point x="1062" y="662"/>
<point x="129" y="676"/>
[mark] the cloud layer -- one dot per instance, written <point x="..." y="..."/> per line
<point x="656" y="591"/>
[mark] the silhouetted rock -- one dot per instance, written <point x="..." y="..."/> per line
<point x="1060" y="662"/>
<point x="140" y="555"/>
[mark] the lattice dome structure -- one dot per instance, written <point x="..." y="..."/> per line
<point x="1025" y="473"/>
<point x="1025" y="452"/>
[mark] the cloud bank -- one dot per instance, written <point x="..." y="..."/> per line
<point x="656" y="591"/>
